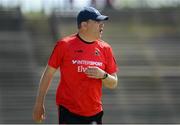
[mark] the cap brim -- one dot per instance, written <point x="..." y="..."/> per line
<point x="102" y="18"/>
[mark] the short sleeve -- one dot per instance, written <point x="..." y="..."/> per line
<point x="57" y="54"/>
<point x="111" y="65"/>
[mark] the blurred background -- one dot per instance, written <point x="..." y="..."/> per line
<point x="145" y="37"/>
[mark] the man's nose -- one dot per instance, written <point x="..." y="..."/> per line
<point x="101" y="24"/>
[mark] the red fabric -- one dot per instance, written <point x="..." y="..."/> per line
<point x="77" y="92"/>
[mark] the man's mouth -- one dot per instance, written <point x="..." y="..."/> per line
<point x="101" y="30"/>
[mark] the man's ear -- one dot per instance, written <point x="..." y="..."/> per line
<point x="84" y="25"/>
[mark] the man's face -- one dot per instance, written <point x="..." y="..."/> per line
<point x="95" y="28"/>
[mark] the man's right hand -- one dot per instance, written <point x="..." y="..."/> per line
<point x="39" y="110"/>
<point x="39" y="113"/>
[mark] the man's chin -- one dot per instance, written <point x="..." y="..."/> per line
<point x="100" y="36"/>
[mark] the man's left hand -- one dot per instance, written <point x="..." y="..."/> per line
<point x="94" y="72"/>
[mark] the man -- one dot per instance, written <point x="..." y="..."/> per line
<point x="86" y="62"/>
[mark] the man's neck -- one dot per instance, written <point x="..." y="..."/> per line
<point x="85" y="37"/>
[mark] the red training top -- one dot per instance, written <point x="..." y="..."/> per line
<point x="78" y="93"/>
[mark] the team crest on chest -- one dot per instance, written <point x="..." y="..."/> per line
<point x="97" y="52"/>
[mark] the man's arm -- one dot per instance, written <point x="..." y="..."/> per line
<point x="39" y="111"/>
<point x="95" y="72"/>
<point x="110" y="81"/>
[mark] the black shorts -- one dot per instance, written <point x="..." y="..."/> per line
<point x="67" y="117"/>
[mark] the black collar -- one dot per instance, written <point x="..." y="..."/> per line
<point x="84" y="40"/>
